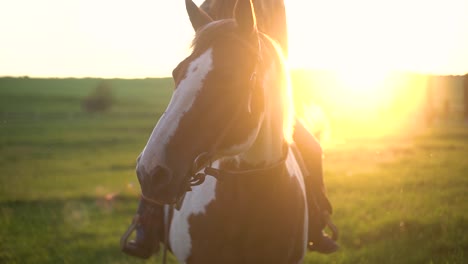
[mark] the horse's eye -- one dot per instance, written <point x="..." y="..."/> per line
<point x="175" y="72"/>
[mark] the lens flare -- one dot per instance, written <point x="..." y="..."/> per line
<point x="364" y="103"/>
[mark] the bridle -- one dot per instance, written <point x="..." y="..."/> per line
<point x="195" y="177"/>
<point x="199" y="170"/>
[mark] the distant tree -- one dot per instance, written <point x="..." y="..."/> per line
<point x="100" y="100"/>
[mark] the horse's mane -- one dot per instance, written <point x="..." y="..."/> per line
<point x="286" y="93"/>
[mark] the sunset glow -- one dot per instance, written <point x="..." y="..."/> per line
<point x="366" y="86"/>
<point x="147" y="38"/>
<point x="361" y="42"/>
<point x="365" y="46"/>
<point x="361" y="103"/>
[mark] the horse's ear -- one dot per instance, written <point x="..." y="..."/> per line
<point x="198" y="17"/>
<point x="245" y="16"/>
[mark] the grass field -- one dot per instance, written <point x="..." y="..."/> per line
<point x="68" y="188"/>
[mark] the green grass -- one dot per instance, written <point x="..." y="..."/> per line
<point x="401" y="200"/>
<point x="396" y="200"/>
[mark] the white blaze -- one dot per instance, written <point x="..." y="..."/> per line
<point x="181" y="102"/>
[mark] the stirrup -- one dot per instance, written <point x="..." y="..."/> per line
<point x="147" y="238"/>
<point x="329" y="223"/>
<point x="132" y="248"/>
<point x="128" y="233"/>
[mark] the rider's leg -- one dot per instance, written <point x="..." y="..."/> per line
<point x="318" y="204"/>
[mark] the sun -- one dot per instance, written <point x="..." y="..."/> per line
<point x="362" y="87"/>
<point x="361" y="80"/>
<point x="360" y="101"/>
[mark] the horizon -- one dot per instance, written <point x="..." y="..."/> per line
<point x="80" y="39"/>
<point x="293" y="71"/>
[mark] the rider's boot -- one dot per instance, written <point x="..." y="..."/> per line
<point x="319" y="206"/>
<point x="318" y="240"/>
<point x="149" y="226"/>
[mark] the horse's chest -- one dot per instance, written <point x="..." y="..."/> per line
<point x="195" y="203"/>
<point x="246" y="223"/>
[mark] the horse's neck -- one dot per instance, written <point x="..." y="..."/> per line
<point x="268" y="146"/>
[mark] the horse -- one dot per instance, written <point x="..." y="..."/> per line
<point x="222" y="152"/>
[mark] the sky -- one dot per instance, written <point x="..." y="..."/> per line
<point x="147" y="38"/>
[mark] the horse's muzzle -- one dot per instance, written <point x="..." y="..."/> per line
<point x="154" y="179"/>
<point x="149" y="226"/>
<point x="158" y="184"/>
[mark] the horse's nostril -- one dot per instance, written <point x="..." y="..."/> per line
<point x="157" y="177"/>
<point x="161" y="175"/>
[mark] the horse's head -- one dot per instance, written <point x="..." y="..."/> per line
<point x="217" y="106"/>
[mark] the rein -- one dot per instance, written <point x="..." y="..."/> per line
<point x="223" y="174"/>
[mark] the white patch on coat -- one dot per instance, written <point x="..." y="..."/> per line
<point x="181" y="102"/>
<point x="195" y="203"/>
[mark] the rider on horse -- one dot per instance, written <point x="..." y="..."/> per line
<point x="150" y="218"/>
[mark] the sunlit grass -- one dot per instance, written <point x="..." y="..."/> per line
<point x="68" y="188"/>
<point x="400" y="200"/>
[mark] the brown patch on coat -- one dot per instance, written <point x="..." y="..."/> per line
<point x="257" y="219"/>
